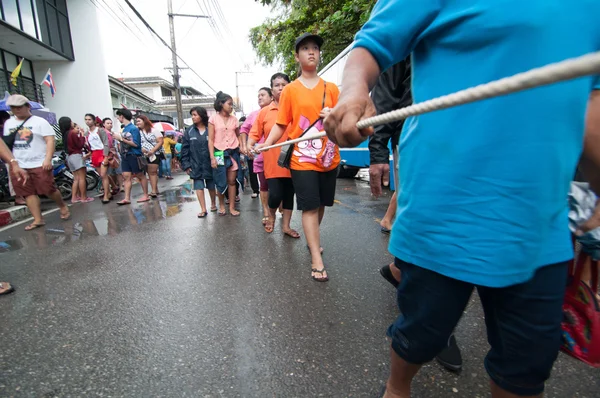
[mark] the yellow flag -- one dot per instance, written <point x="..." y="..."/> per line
<point x="15" y="73"/>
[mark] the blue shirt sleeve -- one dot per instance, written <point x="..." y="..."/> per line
<point x="596" y="85"/>
<point x="394" y="28"/>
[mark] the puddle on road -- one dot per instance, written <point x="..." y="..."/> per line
<point x="112" y="222"/>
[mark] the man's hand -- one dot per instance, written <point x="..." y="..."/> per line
<point x="379" y="174"/>
<point x="340" y="125"/>
<point x="213" y="163"/>
<point x="188" y="171"/>
<point x="20" y="174"/>
<point x="47" y="165"/>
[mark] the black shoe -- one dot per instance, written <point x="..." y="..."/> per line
<point x="450" y="357"/>
<point x="386" y="272"/>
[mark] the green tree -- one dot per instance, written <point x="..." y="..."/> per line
<point x="337" y="21"/>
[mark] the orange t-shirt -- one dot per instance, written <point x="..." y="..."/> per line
<point x="299" y="107"/>
<point x="261" y="128"/>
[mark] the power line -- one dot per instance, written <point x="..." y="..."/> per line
<point x="165" y="43"/>
<point x="217" y="30"/>
<point x="114" y="16"/>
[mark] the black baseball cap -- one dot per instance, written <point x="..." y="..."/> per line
<point x="309" y="36"/>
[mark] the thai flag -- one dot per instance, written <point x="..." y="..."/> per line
<point x="48" y="81"/>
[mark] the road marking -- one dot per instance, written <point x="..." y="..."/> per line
<point x="27" y="220"/>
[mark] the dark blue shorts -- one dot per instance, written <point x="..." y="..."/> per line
<point x="129" y="164"/>
<point x="204" y="184"/>
<point x="523" y="322"/>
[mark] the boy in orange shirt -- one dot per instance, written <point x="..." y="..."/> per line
<point x="314" y="163"/>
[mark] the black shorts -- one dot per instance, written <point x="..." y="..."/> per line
<point x="314" y="189"/>
<point x="281" y="191"/>
<point x="156" y="160"/>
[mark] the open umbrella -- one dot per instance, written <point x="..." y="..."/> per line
<point x="4" y="107"/>
<point x="164" y="126"/>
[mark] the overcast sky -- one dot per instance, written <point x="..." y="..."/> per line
<point x="215" y="61"/>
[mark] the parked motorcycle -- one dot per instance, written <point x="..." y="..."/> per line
<point x="63" y="178"/>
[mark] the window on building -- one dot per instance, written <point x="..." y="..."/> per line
<point x="26" y="83"/>
<point x="45" y="20"/>
<point x="165" y="92"/>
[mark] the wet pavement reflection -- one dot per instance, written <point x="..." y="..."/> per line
<point x="112" y="221"/>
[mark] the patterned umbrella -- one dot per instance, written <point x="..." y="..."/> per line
<point x="164" y="126"/>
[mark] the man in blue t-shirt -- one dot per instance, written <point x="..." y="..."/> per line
<point x="131" y="148"/>
<point x="483" y="196"/>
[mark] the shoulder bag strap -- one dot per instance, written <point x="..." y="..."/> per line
<point x="322" y="107"/>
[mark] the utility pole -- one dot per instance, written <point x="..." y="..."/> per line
<point x="237" y="89"/>
<point x="178" y="104"/>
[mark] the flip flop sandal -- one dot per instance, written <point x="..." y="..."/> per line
<point x="323" y="278"/>
<point x="386" y="231"/>
<point x="124" y="202"/>
<point x="269" y="227"/>
<point x="105" y="201"/>
<point x="143" y="200"/>
<point x="234" y="214"/>
<point x="212" y="210"/>
<point x="386" y="272"/>
<point x="33" y="226"/>
<point x="202" y="215"/>
<point x="292" y="234"/>
<point x="265" y="220"/>
<point x="65" y="217"/>
<point x="10" y="289"/>
<point x="222" y="213"/>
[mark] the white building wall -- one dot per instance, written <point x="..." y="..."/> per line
<point x="81" y="86"/>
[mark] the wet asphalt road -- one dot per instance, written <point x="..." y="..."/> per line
<point x="148" y="300"/>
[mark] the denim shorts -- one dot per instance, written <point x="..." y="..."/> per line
<point x="523" y="322"/>
<point x="204" y="184"/>
<point x="129" y="164"/>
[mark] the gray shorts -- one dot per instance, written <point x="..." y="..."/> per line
<point x="75" y="161"/>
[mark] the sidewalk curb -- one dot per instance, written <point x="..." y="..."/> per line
<point x="13" y="214"/>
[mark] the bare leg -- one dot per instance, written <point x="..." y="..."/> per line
<point x="75" y="186"/>
<point x="34" y="205"/>
<point x="221" y="202"/>
<point x="390" y="214"/>
<point x="201" y="199"/>
<point x="127" y="184"/>
<point x="232" y="191"/>
<point x="103" y="170"/>
<point x="153" y="175"/>
<point x="310" y="224"/>
<point x="143" y="183"/>
<point x="287" y="218"/>
<point x="321" y="214"/>
<point x="80" y="174"/>
<point x="401" y="375"/>
<point x="497" y="392"/>
<point x="264" y="200"/>
<point x="213" y="200"/>
<point x="57" y="198"/>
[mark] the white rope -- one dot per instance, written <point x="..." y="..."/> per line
<point x="561" y="71"/>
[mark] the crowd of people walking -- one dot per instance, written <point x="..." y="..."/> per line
<point x="215" y="152"/>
